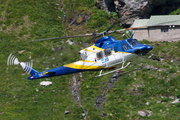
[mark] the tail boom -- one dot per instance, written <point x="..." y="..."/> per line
<point x="55" y="72"/>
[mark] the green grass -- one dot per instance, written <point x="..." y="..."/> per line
<point x="23" y="21"/>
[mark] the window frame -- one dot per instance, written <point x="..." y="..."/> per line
<point x="164" y="30"/>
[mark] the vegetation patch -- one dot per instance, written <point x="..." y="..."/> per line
<point x="151" y="89"/>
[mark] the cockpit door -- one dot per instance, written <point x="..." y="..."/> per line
<point x="125" y="46"/>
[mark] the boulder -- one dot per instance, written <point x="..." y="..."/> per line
<point x="175" y="101"/>
<point x="20" y="52"/>
<point x="46" y="83"/>
<point x="80" y="19"/>
<point x="66" y="112"/>
<point x="142" y="113"/>
<point x="69" y="42"/>
<point x="145" y="113"/>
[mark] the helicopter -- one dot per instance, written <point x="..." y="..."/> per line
<point x="105" y="53"/>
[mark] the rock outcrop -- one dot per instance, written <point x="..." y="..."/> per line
<point x="129" y="10"/>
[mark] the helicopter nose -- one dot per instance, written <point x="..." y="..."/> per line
<point x="149" y="47"/>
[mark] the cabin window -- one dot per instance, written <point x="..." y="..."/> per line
<point x="125" y="46"/>
<point x="100" y="55"/>
<point x="107" y="52"/>
<point x="164" y="29"/>
<point x="115" y="49"/>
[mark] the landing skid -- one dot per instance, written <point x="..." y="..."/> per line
<point x="100" y="74"/>
<point x="129" y="71"/>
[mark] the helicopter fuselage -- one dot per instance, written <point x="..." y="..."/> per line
<point x="104" y="54"/>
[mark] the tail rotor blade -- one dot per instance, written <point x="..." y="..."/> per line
<point x="30" y="63"/>
<point x="27" y="69"/>
<point x="8" y="59"/>
<point x="12" y="60"/>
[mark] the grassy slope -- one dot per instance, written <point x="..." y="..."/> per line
<point x="22" y="21"/>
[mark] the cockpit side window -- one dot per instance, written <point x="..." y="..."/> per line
<point x="132" y="42"/>
<point x="107" y="52"/>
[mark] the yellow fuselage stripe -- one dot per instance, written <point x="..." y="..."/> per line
<point x="96" y="47"/>
<point x="90" y="50"/>
<point x="45" y="73"/>
<point x="125" y="52"/>
<point x="87" y="61"/>
<point x="84" y="67"/>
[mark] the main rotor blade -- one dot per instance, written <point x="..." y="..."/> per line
<point x="93" y="34"/>
<point x="111" y="27"/>
<point x="65" y="37"/>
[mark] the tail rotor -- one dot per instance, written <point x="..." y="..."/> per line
<point x="30" y="63"/>
<point x="12" y="60"/>
<point x="27" y="66"/>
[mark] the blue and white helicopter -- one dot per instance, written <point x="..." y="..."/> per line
<point x="106" y="53"/>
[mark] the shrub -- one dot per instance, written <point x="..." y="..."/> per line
<point x="172" y="70"/>
<point x="166" y="99"/>
<point x="176" y="12"/>
<point x="114" y="15"/>
<point x="98" y="19"/>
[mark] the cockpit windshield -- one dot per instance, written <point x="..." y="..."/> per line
<point x="133" y="42"/>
